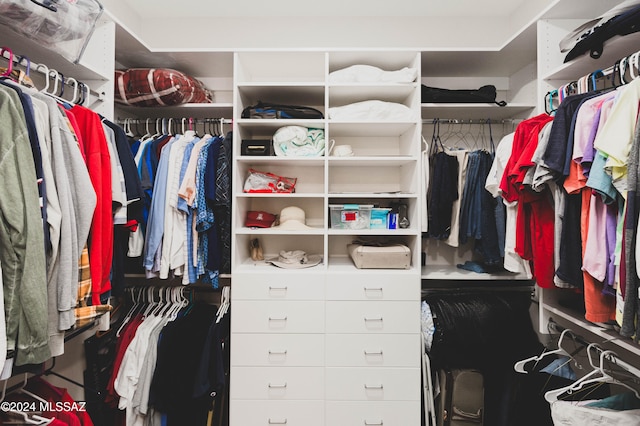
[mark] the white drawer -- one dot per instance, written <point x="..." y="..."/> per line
<point x="292" y="286"/>
<point x="287" y="350"/>
<point x="373" y="317"/>
<point x="379" y="413"/>
<point x="248" y="316"/>
<point x="373" y="384"/>
<point x="277" y="383"/>
<point x="371" y="350"/>
<point x="377" y="287"/>
<point x="274" y="413"/>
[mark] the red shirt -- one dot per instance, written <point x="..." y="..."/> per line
<point x="99" y="166"/>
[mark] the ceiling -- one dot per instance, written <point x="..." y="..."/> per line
<point x="460" y="37"/>
<point x="315" y="8"/>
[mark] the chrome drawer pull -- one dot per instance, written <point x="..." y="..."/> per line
<point x="373" y="386"/>
<point x="284" y="352"/>
<point x="366" y="352"/>
<point x="272" y="288"/>
<point x="284" y="318"/>
<point x="376" y="423"/>
<point x="278" y="422"/>
<point x="373" y="289"/>
<point x="277" y="386"/>
<point x="373" y="319"/>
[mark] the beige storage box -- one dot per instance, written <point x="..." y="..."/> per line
<point x="394" y="256"/>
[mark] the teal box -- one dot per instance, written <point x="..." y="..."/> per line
<point x="379" y="218"/>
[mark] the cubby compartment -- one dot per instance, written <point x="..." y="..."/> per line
<point x="313" y="208"/>
<point x="373" y="177"/>
<point x="376" y="203"/>
<point x="283" y="94"/>
<point x="272" y="245"/>
<point x="308" y="175"/>
<point x="339" y="260"/>
<point x="383" y="140"/>
<point x="256" y="129"/>
<point x="404" y="94"/>
<point x="290" y="67"/>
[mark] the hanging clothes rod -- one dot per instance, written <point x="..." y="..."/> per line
<point x="471" y="121"/>
<point x="621" y="72"/>
<point x="189" y="120"/>
<point x="49" y="74"/>
<point x="166" y="124"/>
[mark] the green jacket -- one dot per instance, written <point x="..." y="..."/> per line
<point x="21" y="238"/>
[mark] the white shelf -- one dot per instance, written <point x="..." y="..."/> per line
<point x="451" y="272"/>
<point x="352" y="128"/>
<point x="210" y="110"/>
<point x="374" y="232"/>
<point x="614" y="49"/>
<point x="308" y="94"/>
<point x="344" y="265"/>
<point x="376" y="195"/>
<point x="611" y="336"/>
<point x="40" y="54"/>
<point x="280" y="195"/>
<point x="376" y="161"/>
<point x="273" y="124"/>
<point x="264" y="267"/>
<point x="476" y="111"/>
<point x="341" y="94"/>
<point x="274" y="231"/>
<point x="275" y="160"/>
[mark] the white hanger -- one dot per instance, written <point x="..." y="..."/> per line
<point x="597" y="375"/>
<point x="224" y="304"/>
<point x="633" y="65"/>
<point x="34" y="419"/>
<point x="127" y="318"/>
<point x="74" y="83"/>
<point x="519" y="366"/>
<point x="46" y="75"/>
<point x="553" y="395"/>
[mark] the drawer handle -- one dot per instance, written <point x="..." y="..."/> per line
<point x="373" y="289"/>
<point x="277" y="385"/>
<point x="284" y="318"/>
<point x="278" y="422"/>
<point x="366" y="352"/>
<point x="374" y="387"/>
<point x="379" y="422"/>
<point x="273" y="288"/>
<point x="284" y="352"/>
<point x="379" y="319"/>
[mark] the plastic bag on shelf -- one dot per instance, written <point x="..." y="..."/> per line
<point x="64" y="26"/>
<point x="268" y="182"/>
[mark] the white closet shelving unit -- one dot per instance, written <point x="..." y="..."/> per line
<point x="554" y="73"/>
<point x="512" y="71"/>
<point x="329" y="344"/>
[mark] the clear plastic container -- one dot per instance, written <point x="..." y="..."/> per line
<point x="350" y="216"/>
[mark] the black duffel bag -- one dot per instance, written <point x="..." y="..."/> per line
<point x="485" y="94"/>
<point x="270" y="110"/>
